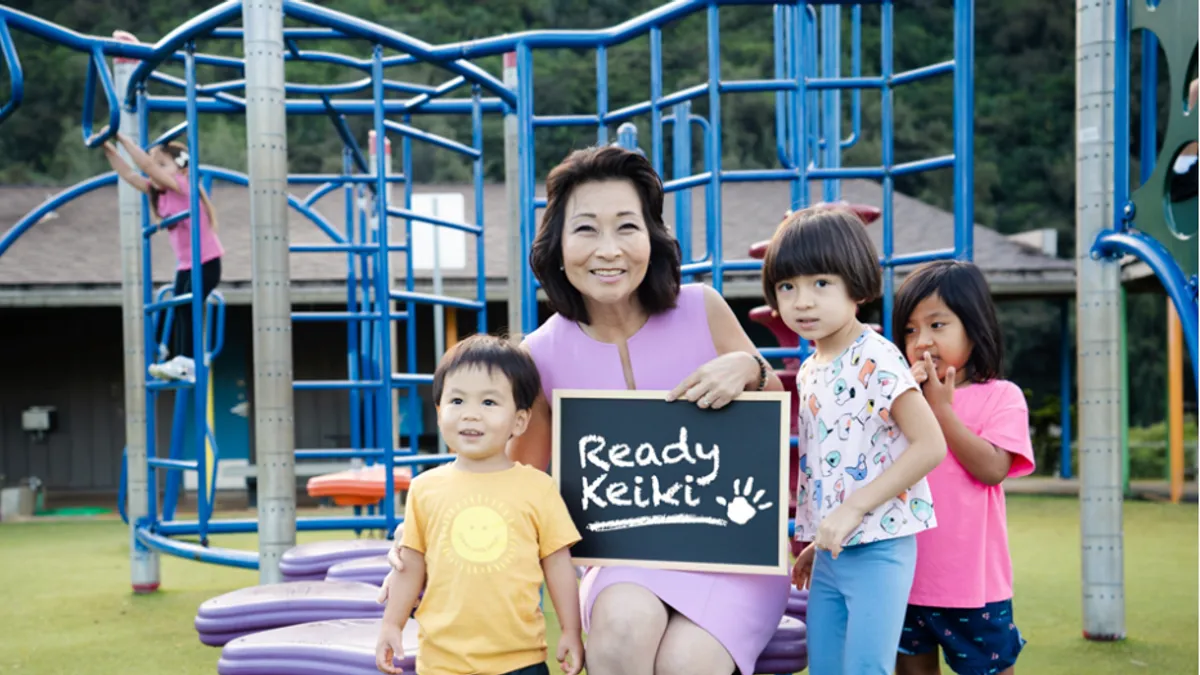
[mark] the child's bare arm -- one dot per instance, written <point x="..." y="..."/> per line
<point x="926" y="449"/>
<point x="123" y="169"/>
<point x="162" y="179"/>
<point x="564" y="593"/>
<point x="405" y="587"/>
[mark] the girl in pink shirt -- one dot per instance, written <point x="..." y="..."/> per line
<point x="166" y="183"/>
<point x="961" y="598"/>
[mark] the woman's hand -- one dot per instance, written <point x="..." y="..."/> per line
<point x="716" y="383"/>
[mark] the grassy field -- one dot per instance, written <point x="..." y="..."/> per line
<point x="67" y="606"/>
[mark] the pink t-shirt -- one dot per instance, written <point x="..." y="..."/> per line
<point x="171" y="202"/>
<point x="964" y="561"/>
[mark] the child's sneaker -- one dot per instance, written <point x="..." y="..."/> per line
<point x="178" y="368"/>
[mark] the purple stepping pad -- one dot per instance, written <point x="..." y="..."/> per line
<point x="342" y="645"/>
<point x="784" y="650"/>
<point x="342" y="596"/>
<point x="292" y="578"/>
<point x="367" y="570"/>
<point x="774" y="666"/>
<point x="293" y="667"/>
<point x="790" y="629"/>
<point x="318" y="556"/>
<point x="221" y="639"/>
<point x="267" y="620"/>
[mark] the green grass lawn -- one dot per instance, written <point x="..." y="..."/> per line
<point x="67" y="608"/>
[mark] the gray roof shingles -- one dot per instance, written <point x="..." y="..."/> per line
<point x="79" y="245"/>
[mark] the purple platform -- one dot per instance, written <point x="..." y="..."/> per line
<point x="344" y="646"/>
<point x="258" y="608"/>
<point x="366" y="570"/>
<point x="347" y="646"/>
<point x="312" y="560"/>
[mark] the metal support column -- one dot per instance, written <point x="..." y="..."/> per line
<point x="266" y="139"/>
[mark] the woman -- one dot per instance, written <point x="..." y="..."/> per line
<point x="611" y="271"/>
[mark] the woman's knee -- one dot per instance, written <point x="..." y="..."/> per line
<point x="688" y="649"/>
<point x="626" y="619"/>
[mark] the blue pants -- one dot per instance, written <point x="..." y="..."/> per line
<point x="856" y="607"/>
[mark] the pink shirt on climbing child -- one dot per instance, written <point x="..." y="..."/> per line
<point x="964" y="561"/>
<point x="171" y="202"/>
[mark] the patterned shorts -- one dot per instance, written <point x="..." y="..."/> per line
<point x="978" y="641"/>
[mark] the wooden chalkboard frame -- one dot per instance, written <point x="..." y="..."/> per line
<point x="783" y="398"/>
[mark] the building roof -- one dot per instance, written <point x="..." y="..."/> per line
<point x="72" y="257"/>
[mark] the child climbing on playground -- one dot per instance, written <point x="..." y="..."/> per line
<point x="166" y="184"/>
<point x="867" y="440"/>
<point x="481" y="533"/>
<point x="961" y="599"/>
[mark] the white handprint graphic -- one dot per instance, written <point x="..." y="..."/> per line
<point x="742" y="507"/>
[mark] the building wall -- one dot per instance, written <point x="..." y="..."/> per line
<point x="70" y="358"/>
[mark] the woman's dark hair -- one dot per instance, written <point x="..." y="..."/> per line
<point x="823" y="240"/>
<point x="962" y="286"/>
<point x="492" y="353"/>
<point x="659" y="291"/>
<point x="174" y="150"/>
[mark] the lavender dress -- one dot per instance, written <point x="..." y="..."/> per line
<point x="742" y="611"/>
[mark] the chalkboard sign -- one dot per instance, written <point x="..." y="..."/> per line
<point x="656" y="484"/>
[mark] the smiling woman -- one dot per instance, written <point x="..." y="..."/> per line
<point x="611" y="271"/>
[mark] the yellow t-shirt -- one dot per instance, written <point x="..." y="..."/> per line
<point x="483" y="536"/>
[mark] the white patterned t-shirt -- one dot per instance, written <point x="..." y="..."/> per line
<point x="848" y="438"/>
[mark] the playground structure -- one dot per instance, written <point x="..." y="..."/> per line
<point x="808" y="84"/>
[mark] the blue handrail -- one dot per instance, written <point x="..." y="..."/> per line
<point x="16" y="76"/>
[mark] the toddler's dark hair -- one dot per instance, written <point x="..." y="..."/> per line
<point x="492" y="353"/>
<point x="822" y="240"/>
<point x="962" y="286"/>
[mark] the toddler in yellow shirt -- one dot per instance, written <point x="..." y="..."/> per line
<point x="481" y="533"/>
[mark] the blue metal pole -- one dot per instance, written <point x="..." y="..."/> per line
<point x="714" y="220"/>
<point x="831" y="127"/>
<point x="1064" y="394"/>
<point x="382" y="288"/>
<point x="964" y="129"/>
<point x="528" y="176"/>
<point x="656" y="77"/>
<point x="196" y="305"/>
<point x="480" y="257"/>
<point x="352" y="326"/>
<point x="410" y="324"/>
<point x="886" y="121"/>
<point x="681" y="165"/>
<point x="601" y="94"/>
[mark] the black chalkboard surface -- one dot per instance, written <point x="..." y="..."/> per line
<point x="657" y="484"/>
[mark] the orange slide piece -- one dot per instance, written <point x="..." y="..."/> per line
<point x="358" y="487"/>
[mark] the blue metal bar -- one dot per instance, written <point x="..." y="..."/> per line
<point x="170" y="80"/>
<point x="922" y="73"/>
<point x="16" y="77"/>
<point x="964" y="128"/>
<point x="343" y="248"/>
<point x="410" y="330"/>
<point x="566" y="120"/>
<point x="383" y="280"/>
<point x="855" y="71"/>
<point x="323" y="178"/>
<point x="601" y="94"/>
<point x="433" y="139"/>
<point x="888" y="156"/>
<point x="525" y="159"/>
<point x="831" y="99"/>
<point x="98" y="69"/>
<point x="1157" y="258"/>
<point x="201" y="373"/>
<point x="656" y="86"/>
<point x="1066" y="341"/>
<point x="350" y="157"/>
<point x="429" y="299"/>
<point x="148" y="327"/>
<point x="409" y="214"/>
<point x="480" y="258"/>
<point x="174" y="464"/>
<point x="197" y="552"/>
<point x="354" y="317"/>
<point x="713" y="219"/>
<point x="176" y="104"/>
<point x="681" y="166"/>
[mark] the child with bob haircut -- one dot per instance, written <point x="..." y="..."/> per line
<point x="962" y="592"/>
<point x="482" y="532"/>
<point x="867" y="439"/>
